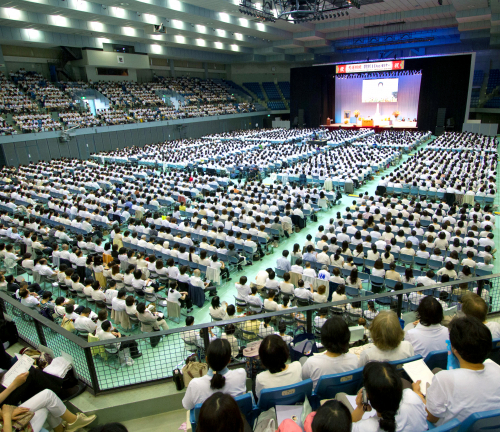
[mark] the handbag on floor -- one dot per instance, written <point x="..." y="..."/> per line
<point x="193" y="369"/>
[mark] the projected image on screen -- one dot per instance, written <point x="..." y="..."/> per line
<point x="380" y="90"/>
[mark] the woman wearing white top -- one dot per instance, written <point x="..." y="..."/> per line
<point x="274" y="353"/>
<point x="353" y="280"/>
<point x="428" y="335"/>
<point x="396" y="409"/>
<point x="117" y="276"/>
<point x="387" y="336"/>
<point x="335" y="337"/>
<point x="217" y="310"/>
<point x="265" y="328"/>
<point x="378" y="269"/>
<point x="218" y="379"/>
<point x="320" y="297"/>
<point x="387" y="257"/>
<point x="448" y="269"/>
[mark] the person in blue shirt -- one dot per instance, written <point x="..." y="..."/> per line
<point x="310" y="255"/>
<point x="282" y="263"/>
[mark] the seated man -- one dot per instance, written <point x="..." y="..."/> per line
<point x="458" y="393"/>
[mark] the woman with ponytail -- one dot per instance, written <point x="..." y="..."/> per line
<point x="396" y="409"/>
<point x="218" y="379"/>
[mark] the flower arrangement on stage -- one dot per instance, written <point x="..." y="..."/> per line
<point x="396" y="114"/>
<point x="356" y="113"/>
<point x="346" y="121"/>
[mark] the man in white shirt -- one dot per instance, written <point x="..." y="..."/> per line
<point x="301" y="292"/>
<point x="473" y="387"/>
<point x="197" y="281"/>
<point x="84" y="324"/>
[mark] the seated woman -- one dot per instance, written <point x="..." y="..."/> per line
<point x="428" y="335"/>
<point x="387" y="336"/>
<point x="218" y="378"/>
<point x="396" y="409"/>
<point x="47" y="407"/>
<point x="335" y="337"/>
<point x="274" y="353"/>
<point x="217" y="310"/>
<point x="221" y="406"/>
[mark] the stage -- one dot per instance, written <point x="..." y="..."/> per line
<point x="399" y="126"/>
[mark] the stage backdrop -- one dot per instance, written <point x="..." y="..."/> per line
<point x="444" y="84"/>
<point x="348" y="97"/>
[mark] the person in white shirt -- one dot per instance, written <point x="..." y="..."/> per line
<point x="84" y="324"/>
<point x="242" y="288"/>
<point x="274" y="353"/>
<point x="335" y="336"/>
<point x="428" y="335"/>
<point x="471" y="388"/>
<point x="475" y="306"/>
<point x="301" y="292"/>
<point x="28" y="300"/>
<point x="387" y="336"/>
<point x="218" y="310"/>
<point x="397" y="409"/>
<point x="107" y="333"/>
<point x="218" y="379"/>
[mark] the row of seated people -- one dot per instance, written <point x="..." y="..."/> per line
<point x="79" y="119"/>
<point x="47" y="94"/>
<point x="467" y="173"/>
<point x="465" y="141"/>
<point x="13" y="100"/>
<point x="28" y="123"/>
<point x="403" y="139"/>
<point x="380" y="379"/>
<point x="5" y="128"/>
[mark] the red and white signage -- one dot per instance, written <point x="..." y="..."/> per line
<point x="371" y="67"/>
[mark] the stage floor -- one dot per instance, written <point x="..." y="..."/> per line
<point x="377" y="129"/>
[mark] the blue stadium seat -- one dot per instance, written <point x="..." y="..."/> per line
<point x="286" y="395"/>
<point x="329" y="385"/>
<point x="437" y="359"/>
<point x="452" y="425"/>
<point x="245" y="403"/>
<point x="481" y="422"/>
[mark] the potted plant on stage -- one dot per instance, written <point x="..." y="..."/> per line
<point x="396" y="114"/>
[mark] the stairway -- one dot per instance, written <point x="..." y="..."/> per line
<point x="287" y="105"/>
<point x="255" y="98"/>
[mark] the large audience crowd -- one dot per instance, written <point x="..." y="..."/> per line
<point x="29" y="93"/>
<point x="214" y="227"/>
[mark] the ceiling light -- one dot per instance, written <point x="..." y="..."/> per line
<point x="96" y="26"/>
<point x="129" y="31"/>
<point x="13" y="14"/>
<point x="224" y="16"/>
<point x="218" y="45"/>
<point x="180" y="39"/>
<point x="201" y="42"/>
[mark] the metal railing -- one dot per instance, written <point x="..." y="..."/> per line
<point x="100" y="367"/>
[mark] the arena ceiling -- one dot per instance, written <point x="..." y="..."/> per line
<point x="215" y="30"/>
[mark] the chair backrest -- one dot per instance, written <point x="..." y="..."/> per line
<point x="437" y="359"/>
<point x="399" y="363"/>
<point x="448" y="426"/>
<point x="286" y="395"/>
<point x="481" y="422"/>
<point x="244" y="401"/>
<point x="348" y="382"/>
